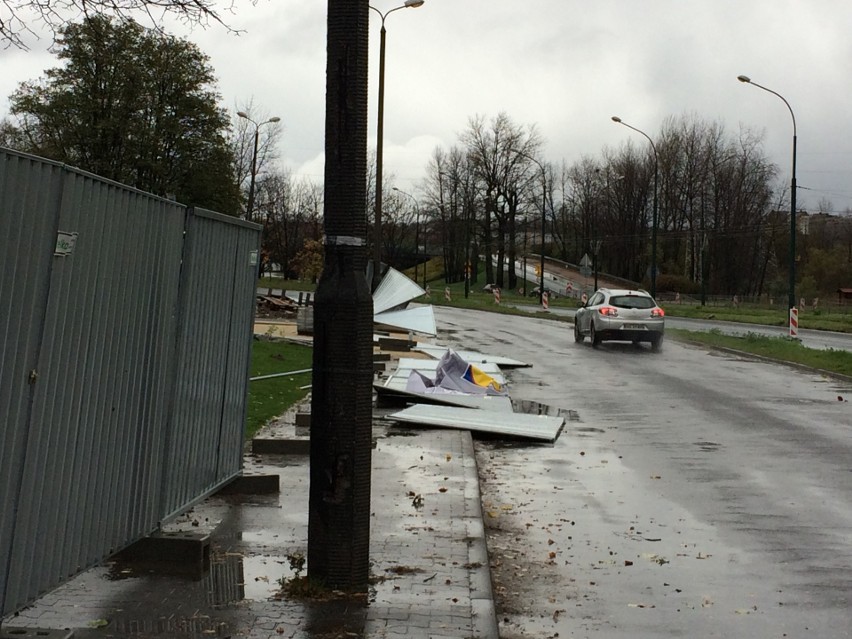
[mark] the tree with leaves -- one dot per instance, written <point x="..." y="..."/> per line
<point x="136" y="106"/>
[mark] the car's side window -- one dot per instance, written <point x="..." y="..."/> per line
<point x="597" y="298"/>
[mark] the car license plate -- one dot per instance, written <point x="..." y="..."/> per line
<point x="634" y="326"/>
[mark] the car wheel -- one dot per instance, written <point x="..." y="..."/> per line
<point x="593" y="335"/>
<point x="578" y="336"/>
<point x="657" y="344"/>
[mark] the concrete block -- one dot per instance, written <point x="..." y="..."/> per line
<point x="14" y="632"/>
<point x="394" y="344"/>
<point x="253" y="485"/>
<point x="303" y="420"/>
<point x="281" y="446"/>
<point x="169" y="553"/>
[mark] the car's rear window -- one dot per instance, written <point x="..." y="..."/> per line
<point x="631" y="301"/>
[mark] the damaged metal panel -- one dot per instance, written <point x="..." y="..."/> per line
<point x="398" y="396"/>
<point x="420" y="319"/>
<point x="394" y="291"/>
<point x="517" y="425"/>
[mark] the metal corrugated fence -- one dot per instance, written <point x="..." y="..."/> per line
<point x="125" y="336"/>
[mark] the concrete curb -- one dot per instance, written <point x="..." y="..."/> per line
<point x="484" y="615"/>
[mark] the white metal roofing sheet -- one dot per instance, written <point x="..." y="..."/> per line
<point x="538" y="427"/>
<point x="483" y="402"/>
<point x="420" y="319"/>
<point x="394" y="290"/>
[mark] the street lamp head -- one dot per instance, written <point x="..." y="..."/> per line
<point x="413" y="4"/>
<point x="243" y="114"/>
<point x="274" y="119"/>
<point x="744" y="78"/>
<point x="615" y="118"/>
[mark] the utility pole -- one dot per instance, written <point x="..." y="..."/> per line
<point x="341" y="399"/>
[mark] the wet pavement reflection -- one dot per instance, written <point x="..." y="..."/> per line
<point x="427" y="560"/>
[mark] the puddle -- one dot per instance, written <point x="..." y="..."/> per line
<point x="260" y="536"/>
<point x="262" y="575"/>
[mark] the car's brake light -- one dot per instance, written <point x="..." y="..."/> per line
<point x="657" y="312"/>
<point x="609" y="311"/>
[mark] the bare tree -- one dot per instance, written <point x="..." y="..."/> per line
<point x="18" y="18"/>
<point x="495" y="151"/>
<point x="291" y="210"/>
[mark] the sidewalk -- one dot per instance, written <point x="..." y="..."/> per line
<point x="428" y="559"/>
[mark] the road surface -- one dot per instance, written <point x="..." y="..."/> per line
<point x="692" y="494"/>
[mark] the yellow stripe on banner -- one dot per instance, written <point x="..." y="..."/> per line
<point x="481" y="378"/>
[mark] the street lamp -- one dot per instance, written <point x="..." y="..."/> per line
<point x="543" y="221"/>
<point x="618" y="120"/>
<point x="377" y="248"/>
<point x="416" y="234"/>
<point x="791" y="297"/>
<point x="244" y="115"/>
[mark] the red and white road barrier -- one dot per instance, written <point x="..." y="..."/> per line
<point x="544" y="300"/>
<point x="794" y="322"/>
<point x="496" y="295"/>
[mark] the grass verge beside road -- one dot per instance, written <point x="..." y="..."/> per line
<point x="821" y="320"/>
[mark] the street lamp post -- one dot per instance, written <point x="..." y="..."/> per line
<point x="416" y="234"/>
<point x="377" y="248"/>
<point x="791" y="297"/>
<point x="244" y="115"/>
<point x="526" y="225"/>
<point x="543" y="222"/>
<point x="618" y="120"/>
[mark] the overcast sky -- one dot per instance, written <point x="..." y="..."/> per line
<point x="566" y="66"/>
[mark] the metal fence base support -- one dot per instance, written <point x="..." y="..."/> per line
<point x="281" y="446"/>
<point x="253" y="485"/>
<point x="12" y="632"/>
<point x="167" y="553"/>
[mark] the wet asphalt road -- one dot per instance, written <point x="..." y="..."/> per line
<point x="695" y="494"/>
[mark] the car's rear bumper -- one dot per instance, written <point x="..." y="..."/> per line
<point x="642" y="331"/>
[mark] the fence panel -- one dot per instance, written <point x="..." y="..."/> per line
<point x="29" y="207"/>
<point x="94" y="457"/>
<point x="216" y="325"/>
<point x="99" y="443"/>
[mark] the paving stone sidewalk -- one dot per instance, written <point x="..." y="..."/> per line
<point x="428" y="560"/>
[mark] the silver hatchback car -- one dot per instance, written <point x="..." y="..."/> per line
<point x="620" y="314"/>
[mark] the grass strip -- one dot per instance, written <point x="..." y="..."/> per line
<point x="269" y="398"/>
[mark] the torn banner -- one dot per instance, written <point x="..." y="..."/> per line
<point x="455" y="375"/>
